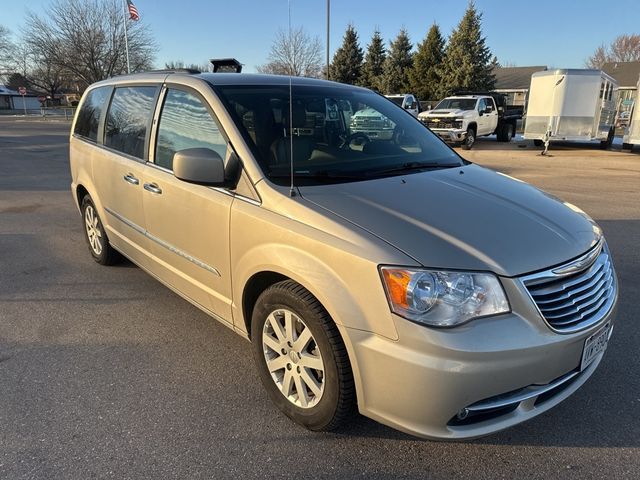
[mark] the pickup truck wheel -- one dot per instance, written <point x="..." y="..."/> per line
<point x="508" y="131"/>
<point x="301" y="358"/>
<point x="538" y="143"/>
<point x="470" y="140"/>
<point x="627" y="146"/>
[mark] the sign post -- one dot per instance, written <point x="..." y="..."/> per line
<point x="23" y="91"/>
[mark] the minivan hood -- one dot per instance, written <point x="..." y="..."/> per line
<point x="469" y="218"/>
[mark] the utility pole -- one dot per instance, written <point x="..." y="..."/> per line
<point x="328" y="15"/>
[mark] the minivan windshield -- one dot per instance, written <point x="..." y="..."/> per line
<point x="457" y="104"/>
<point x="339" y="134"/>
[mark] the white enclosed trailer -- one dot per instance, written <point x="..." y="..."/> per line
<point x="632" y="132"/>
<point x="571" y="104"/>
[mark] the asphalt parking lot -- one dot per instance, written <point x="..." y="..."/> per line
<point x="105" y="373"/>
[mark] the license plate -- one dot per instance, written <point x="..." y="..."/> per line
<point x="595" y="345"/>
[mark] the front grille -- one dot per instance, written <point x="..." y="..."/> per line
<point x="442" y="123"/>
<point x="573" y="297"/>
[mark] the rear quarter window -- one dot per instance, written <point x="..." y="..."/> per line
<point x="89" y="115"/>
<point x="129" y="118"/>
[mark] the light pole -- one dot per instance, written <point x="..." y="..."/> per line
<point x="328" y="15"/>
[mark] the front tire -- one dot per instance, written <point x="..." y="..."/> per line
<point x="470" y="140"/>
<point x="538" y="143"/>
<point x="301" y="359"/>
<point x="101" y="251"/>
<point x="627" y="146"/>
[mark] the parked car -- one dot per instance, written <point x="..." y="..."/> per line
<point x="442" y="298"/>
<point x="468" y="115"/>
<point x="573" y="105"/>
<point x="408" y="101"/>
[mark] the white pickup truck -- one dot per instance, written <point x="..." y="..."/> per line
<point x="464" y="117"/>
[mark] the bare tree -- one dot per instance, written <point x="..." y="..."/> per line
<point x="294" y="53"/>
<point x="625" y="48"/>
<point x="85" y="40"/>
<point x="177" y="64"/>
<point x="7" y="49"/>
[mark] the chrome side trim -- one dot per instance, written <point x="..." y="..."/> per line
<point x="521" y="395"/>
<point x="164" y="244"/>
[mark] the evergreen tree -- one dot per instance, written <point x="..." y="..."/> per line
<point x="467" y="63"/>
<point x="424" y="79"/>
<point x="398" y="64"/>
<point x="347" y="61"/>
<point x="373" y="68"/>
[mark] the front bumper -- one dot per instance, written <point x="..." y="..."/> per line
<point x="419" y="383"/>
<point x="450" y="135"/>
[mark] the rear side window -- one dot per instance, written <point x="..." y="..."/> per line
<point x="90" y="112"/>
<point x="128" y="119"/>
<point x="185" y="122"/>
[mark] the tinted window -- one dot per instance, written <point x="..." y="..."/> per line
<point x="185" y="122"/>
<point x="339" y="134"/>
<point x="90" y="112"/>
<point x="128" y="118"/>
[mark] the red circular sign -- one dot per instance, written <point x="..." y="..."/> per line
<point x="22" y="90"/>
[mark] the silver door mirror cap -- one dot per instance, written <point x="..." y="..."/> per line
<point x="201" y="166"/>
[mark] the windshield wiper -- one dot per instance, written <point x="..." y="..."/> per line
<point x="409" y="166"/>
<point x="321" y="175"/>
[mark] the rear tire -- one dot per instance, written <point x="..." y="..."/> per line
<point x="470" y="140"/>
<point x="627" y="146"/>
<point x="97" y="240"/>
<point x="308" y="375"/>
<point x="538" y="143"/>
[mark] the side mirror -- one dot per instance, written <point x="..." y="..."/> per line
<point x="201" y="166"/>
<point x="489" y="109"/>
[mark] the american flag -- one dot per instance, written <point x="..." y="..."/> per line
<point x="133" y="11"/>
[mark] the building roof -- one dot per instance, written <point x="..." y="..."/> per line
<point x="626" y="73"/>
<point x="4" y="90"/>
<point x="515" y="78"/>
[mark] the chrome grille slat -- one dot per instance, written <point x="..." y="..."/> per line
<point x="567" y="293"/>
<point x="571" y="302"/>
<point x="580" y="307"/>
<point x="559" y="286"/>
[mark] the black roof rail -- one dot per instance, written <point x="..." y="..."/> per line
<point x="226" y="64"/>
<point x="175" y="70"/>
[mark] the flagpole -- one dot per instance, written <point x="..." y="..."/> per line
<point x="126" y="39"/>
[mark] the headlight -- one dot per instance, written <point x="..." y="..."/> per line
<point x="440" y="298"/>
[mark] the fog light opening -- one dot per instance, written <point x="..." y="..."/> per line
<point x="462" y="414"/>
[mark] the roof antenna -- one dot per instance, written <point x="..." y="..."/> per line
<point x="292" y="191"/>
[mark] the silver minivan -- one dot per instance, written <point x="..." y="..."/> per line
<point x="388" y="274"/>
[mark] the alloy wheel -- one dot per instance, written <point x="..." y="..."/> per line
<point x="94" y="234"/>
<point x="293" y="358"/>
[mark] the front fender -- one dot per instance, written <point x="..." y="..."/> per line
<point x="333" y="267"/>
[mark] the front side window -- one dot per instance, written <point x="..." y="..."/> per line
<point x="128" y="119"/>
<point x="333" y="134"/>
<point x="185" y="122"/>
<point x="89" y="115"/>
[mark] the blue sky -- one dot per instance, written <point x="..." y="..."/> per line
<point x="556" y="33"/>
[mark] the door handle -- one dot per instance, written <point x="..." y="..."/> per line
<point x="153" y="188"/>
<point x="131" y="179"/>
